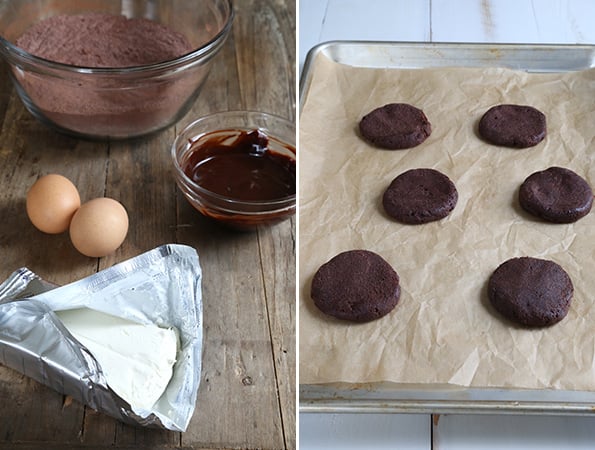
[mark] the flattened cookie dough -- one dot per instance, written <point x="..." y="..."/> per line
<point x="420" y="196"/>
<point x="530" y="291"/>
<point x="356" y="285"/>
<point x="516" y="126"/>
<point x="557" y="195"/>
<point x="395" y="126"/>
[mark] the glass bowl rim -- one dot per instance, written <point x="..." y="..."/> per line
<point x="11" y="49"/>
<point x="281" y="203"/>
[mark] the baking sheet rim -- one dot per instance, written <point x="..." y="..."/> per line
<point x="346" y="398"/>
<point x="306" y="75"/>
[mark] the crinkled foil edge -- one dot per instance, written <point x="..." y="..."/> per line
<point x="161" y="286"/>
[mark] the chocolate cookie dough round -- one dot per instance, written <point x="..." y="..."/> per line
<point x="395" y="126"/>
<point x="356" y="285"/>
<point x="530" y="291"/>
<point x="420" y="196"/>
<point x="516" y="126"/>
<point x="557" y="195"/>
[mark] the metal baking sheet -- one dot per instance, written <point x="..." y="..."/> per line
<point x="387" y="397"/>
<point x="413" y="55"/>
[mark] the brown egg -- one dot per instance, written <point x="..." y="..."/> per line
<point x="99" y="227"/>
<point x="51" y="203"/>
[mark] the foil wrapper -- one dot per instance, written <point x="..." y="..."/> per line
<point x="162" y="287"/>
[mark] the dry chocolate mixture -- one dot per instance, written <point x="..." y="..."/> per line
<point x="103" y="40"/>
<point x="101" y="106"/>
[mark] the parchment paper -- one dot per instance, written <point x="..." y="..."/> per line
<point x="444" y="331"/>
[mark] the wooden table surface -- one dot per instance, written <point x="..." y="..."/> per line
<point x="247" y="393"/>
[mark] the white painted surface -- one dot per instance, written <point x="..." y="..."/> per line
<point x="504" y="21"/>
<point x="353" y="431"/>
<point x="515" y="21"/>
<point x="513" y="432"/>
<point x="403" y="20"/>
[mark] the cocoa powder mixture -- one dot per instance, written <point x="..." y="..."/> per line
<point x="102" y="106"/>
<point x="102" y="40"/>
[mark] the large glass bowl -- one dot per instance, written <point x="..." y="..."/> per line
<point x="231" y="212"/>
<point x="114" y="102"/>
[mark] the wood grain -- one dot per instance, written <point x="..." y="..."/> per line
<point x="247" y="394"/>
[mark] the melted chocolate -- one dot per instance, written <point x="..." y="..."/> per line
<point x="242" y="169"/>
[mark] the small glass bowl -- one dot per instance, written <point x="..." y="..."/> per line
<point x="234" y="213"/>
<point x="114" y="103"/>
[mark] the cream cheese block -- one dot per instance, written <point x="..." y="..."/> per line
<point x="137" y="360"/>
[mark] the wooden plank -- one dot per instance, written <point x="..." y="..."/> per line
<point x="239" y="360"/>
<point x="139" y="177"/>
<point x="29" y="150"/>
<point x="238" y="373"/>
<point x="6" y="90"/>
<point x="273" y="81"/>
<point x="127" y="435"/>
<point x="51" y="446"/>
<point x="236" y="345"/>
<point x="33" y="413"/>
<point x="97" y="428"/>
<point x="278" y="266"/>
<point x="266" y="58"/>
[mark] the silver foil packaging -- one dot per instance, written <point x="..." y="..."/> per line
<point x="160" y="287"/>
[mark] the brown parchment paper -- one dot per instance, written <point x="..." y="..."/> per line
<point x="443" y="331"/>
